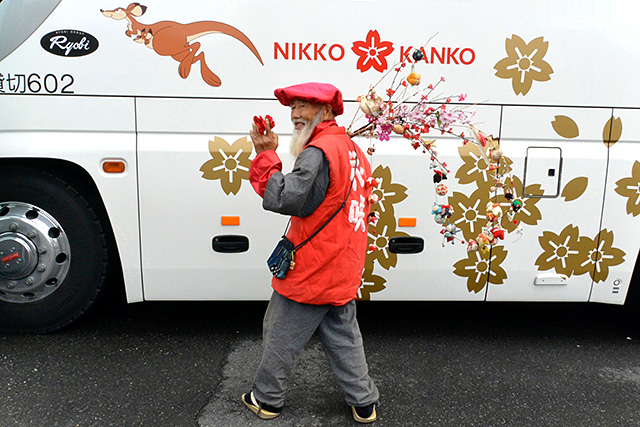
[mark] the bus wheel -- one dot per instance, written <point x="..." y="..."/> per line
<point x="53" y="252"/>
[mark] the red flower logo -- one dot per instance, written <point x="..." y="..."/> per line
<point x="372" y="52"/>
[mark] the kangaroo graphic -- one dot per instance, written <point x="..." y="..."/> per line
<point x="168" y="38"/>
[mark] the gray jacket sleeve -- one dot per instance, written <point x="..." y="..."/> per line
<point x="301" y="191"/>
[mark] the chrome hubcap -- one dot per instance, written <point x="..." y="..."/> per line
<point x="35" y="254"/>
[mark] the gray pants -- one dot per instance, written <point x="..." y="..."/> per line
<point x="289" y="325"/>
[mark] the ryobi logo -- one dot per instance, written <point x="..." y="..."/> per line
<point x="69" y="43"/>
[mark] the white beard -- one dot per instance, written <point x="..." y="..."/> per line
<point x="300" y="137"/>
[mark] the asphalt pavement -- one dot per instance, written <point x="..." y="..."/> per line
<point x="436" y="364"/>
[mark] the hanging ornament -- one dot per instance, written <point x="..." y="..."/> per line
<point x="484" y="242"/>
<point x="494" y="212"/>
<point x="414" y="79"/>
<point x="508" y="193"/>
<point x="516" y="205"/>
<point x="374" y="217"/>
<point x="498" y="233"/>
<point x="370" y="182"/>
<point x="417" y="55"/>
<point x="370" y="104"/>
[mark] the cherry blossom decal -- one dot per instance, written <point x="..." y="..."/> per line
<point x="560" y="251"/>
<point x="630" y="188"/>
<point x="524" y="63"/>
<point x="229" y="163"/>
<point x="371" y="283"/>
<point x="470" y="213"/>
<point x="481" y="267"/>
<point x="388" y="194"/>
<point x="612" y="131"/>
<point x="569" y="253"/>
<point x="372" y="53"/>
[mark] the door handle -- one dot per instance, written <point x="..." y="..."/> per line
<point x="406" y="245"/>
<point x="230" y="243"/>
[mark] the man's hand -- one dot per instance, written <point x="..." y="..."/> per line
<point x="263" y="142"/>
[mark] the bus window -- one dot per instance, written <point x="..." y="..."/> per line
<point x="19" y="19"/>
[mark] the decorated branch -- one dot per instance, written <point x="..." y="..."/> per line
<point x="416" y="111"/>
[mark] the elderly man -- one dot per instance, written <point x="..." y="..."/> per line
<point x="327" y="190"/>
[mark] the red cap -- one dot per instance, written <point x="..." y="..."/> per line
<point x="320" y="93"/>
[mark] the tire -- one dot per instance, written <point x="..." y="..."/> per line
<point x="53" y="252"/>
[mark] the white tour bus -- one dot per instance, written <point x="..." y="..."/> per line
<point x="124" y="147"/>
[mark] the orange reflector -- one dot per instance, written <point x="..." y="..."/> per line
<point x="113" y="166"/>
<point x="407" y="222"/>
<point x="230" y="220"/>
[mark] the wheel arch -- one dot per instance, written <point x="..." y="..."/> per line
<point x="78" y="178"/>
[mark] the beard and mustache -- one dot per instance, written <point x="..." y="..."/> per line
<point x="300" y="137"/>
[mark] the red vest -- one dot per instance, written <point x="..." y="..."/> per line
<point x="328" y="269"/>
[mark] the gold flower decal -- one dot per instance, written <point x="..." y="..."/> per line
<point x="229" y="163"/>
<point x="480" y="268"/>
<point x="612" y="131"/>
<point x="388" y="193"/>
<point x="568" y="253"/>
<point x="560" y="251"/>
<point x="565" y="127"/>
<point x="475" y="169"/>
<point x="575" y="188"/>
<point x="600" y="255"/>
<point x="630" y="188"/>
<point x="371" y="283"/>
<point x="524" y="63"/>
<point x="469" y="213"/>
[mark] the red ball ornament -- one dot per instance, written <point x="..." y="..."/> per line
<point x="441" y="189"/>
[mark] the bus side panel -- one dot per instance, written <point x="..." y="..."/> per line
<point x="407" y="190"/>
<point x="619" y="242"/>
<point x="193" y="160"/>
<point x="84" y="131"/>
<point x="566" y="164"/>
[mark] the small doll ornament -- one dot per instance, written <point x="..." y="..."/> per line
<point x="374" y="217"/>
<point x="494" y="212"/>
<point x="447" y="211"/>
<point x="508" y="193"/>
<point x="496" y="154"/>
<point x="484" y="242"/>
<point x="498" y="233"/>
<point x="370" y="182"/>
<point x="370" y="104"/>
<point x="449" y="232"/>
<point x="516" y="205"/>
